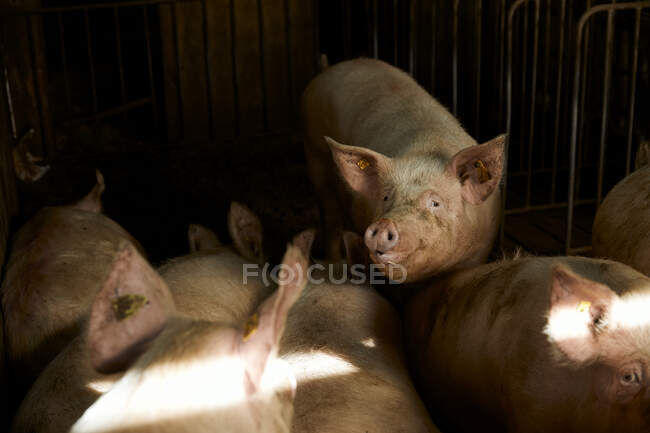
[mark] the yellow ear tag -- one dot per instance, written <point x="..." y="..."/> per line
<point x="584" y="306"/>
<point x="483" y="173"/>
<point x="251" y="326"/>
<point x="363" y="164"/>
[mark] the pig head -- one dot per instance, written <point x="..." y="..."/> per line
<point x="421" y="216"/>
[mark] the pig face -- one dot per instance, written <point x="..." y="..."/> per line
<point x="189" y="375"/>
<point x="420" y="215"/>
<point x="605" y="337"/>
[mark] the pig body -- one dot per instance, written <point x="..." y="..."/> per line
<point x="57" y="262"/>
<point x="193" y="375"/>
<point x="621" y="228"/>
<point x="419" y="188"/>
<point x="534" y="345"/>
<point x="205" y="285"/>
<point x="343" y="343"/>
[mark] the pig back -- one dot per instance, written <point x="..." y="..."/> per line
<point x="622" y="225"/>
<point x="343" y="344"/>
<point x="58" y="261"/>
<point x="369" y="103"/>
<point x="210" y="286"/>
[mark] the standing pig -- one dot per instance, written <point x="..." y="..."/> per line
<point x="412" y="181"/>
<point x="343" y="342"/>
<point x="622" y="225"/>
<point x="205" y="285"/>
<point x="535" y="345"/>
<point x="192" y="376"/>
<point x="58" y="260"/>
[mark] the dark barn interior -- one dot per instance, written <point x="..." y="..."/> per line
<point x="188" y="105"/>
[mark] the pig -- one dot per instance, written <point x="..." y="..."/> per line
<point x="205" y="285"/>
<point x="419" y="189"/>
<point x="621" y="228"/>
<point x="208" y="284"/>
<point x="57" y="261"/>
<point x="344" y="345"/>
<point x="187" y="375"/>
<point x="535" y="344"/>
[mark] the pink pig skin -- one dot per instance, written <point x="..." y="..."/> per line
<point x="410" y="179"/>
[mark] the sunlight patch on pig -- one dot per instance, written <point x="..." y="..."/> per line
<point x="182" y="390"/>
<point x="319" y="365"/>
<point x="369" y="342"/>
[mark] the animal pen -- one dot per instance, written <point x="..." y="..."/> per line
<point x="188" y="104"/>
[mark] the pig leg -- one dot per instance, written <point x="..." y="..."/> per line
<point x="322" y="172"/>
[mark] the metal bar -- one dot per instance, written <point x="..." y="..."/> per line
<point x="111" y="112"/>
<point x="178" y="70"/>
<point x="434" y="28"/>
<point x="109" y="5"/>
<point x="533" y="95"/>
<point x="395" y="34"/>
<point x="375" y="34"/>
<point x="455" y="60"/>
<point x="208" y="81"/>
<point x="233" y="54"/>
<point x="40" y="85"/>
<point x="574" y="111"/>
<point x="558" y="101"/>
<point x="605" y="110"/>
<point x="502" y="49"/>
<point x="152" y="88"/>
<point x="64" y="62"/>
<point x="316" y="33"/>
<point x="412" y="36"/>
<point x="118" y="46"/>
<point x="90" y="60"/>
<point x="545" y="91"/>
<point x="477" y="55"/>
<point x="635" y="67"/>
<point x="345" y="12"/>
<point x="287" y="33"/>
<point x="524" y="82"/>
<point x="260" y="23"/>
<point x="583" y="97"/>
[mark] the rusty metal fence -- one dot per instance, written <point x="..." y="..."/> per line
<point x="568" y="80"/>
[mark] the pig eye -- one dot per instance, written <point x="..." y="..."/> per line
<point x="434" y="204"/>
<point x="630" y="377"/>
<point x="385" y="198"/>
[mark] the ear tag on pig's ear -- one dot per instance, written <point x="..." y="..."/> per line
<point x="363" y="164"/>
<point x="584" y="306"/>
<point x="127" y="305"/>
<point x="483" y="173"/>
<point x="251" y="326"/>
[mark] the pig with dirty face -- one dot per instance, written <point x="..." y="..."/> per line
<point x="185" y="374"/>
<point x="535" y="345"/>
<point x="391" y="163"/>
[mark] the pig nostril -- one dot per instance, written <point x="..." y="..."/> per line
<point x="390" y="236"/>
<point x="374" y="232"/>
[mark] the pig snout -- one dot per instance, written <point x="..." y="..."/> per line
<point x="381" y="236"/>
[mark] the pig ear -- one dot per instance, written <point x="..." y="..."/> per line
<point x="361" y="169"/>
<point x="265" y="328"/>
<point x="93" y="201"/>
<point x="578" y="313"/>
<point x="479" y="169"/>
<point x="26" y="165"/>
<point x="246" y="232"/>
<point x="356" y="252"/>
<point x="201" y="238"/>
<point x="129" y="311"/>
<point x="643" y="155"/>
